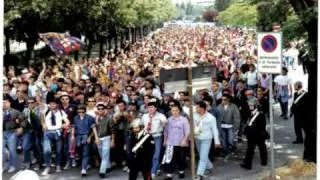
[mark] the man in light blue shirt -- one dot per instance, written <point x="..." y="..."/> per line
<point x="205" y="129"/>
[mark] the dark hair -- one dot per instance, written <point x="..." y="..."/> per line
<point x="208" y="99"/>
<point x="81" y="107"/>
<point x="202" y="104"/>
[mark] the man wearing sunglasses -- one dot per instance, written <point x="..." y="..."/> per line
<point x="105" y="130"/>
<point x="83" y="125"/>
<point x="32" y="135"/>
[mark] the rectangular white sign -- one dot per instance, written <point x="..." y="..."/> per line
<point x="269" y="52"/>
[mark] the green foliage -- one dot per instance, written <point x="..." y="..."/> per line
<point x="239" y="14"/>
<point x="221" y="5"/>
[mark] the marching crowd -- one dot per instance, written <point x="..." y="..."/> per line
<point x="113" y="112"/>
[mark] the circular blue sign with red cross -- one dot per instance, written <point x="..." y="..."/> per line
<point x="269" y="43"/>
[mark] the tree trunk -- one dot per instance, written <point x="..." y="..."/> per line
<point x="29" y="53"/>
<point x="133" y="32"/>
<point x="116" y="42"/>
<point x="7" y="45"/>
<point x="101" y="47"/>
<point x="89" y="49"/>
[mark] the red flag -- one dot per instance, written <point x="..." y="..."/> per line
<point x="202" y="41"/>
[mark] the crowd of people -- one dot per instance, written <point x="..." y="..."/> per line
<point x="113" y="112"/>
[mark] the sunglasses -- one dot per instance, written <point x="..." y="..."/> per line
<point x="100" y="109"/>
<point x="31" y="102"/>
<point x="91" y="101"/>
<point x="65" y="99"/>
<point x="81" y="112"/>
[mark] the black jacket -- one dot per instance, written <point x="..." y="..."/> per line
<point x="257" y="130"/>
<point x="143" y="155"/>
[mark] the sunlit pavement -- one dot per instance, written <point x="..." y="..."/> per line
<point x="283" y="148"/>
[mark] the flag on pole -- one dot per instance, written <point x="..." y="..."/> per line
<point x="202" y="41"/>
<point x="61" y="43"/>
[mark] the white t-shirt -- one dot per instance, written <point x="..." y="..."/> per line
<point x="158" y="122"/>
<point x="252" y="78"/>
<point x="283" y="80"/>
<point x="60" y="116"/>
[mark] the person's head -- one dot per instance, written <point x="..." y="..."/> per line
<point x="136" y="126"/>
<point x="91" y="102"/>
<point x="152" y="106"/>
<point x="252" y="67"/>
<point x="6" y="102"/>
<point x="109" y="108"/>
<point x="208" y="100"/>
<point x="101" y="108"/>
<point x="226" y="98"/>
<point x="215" y="86"/>
<point x="259" y="92"/>
<point x="253" y="104"/>
<point x="64" y="98"/>
<point x="201" y="107"/>
<point x="81" y="109"/>
<point x="225" y="83"/>
<point x="21" y="94"/>
<point x="149" y="83"/>
<point x="32" y="103"/>
<point x="129" y="90"/>
<point x="122" y="106"/>
<point x="240" y="85"/>
<point x="249" y="93"/>
<point x="133" y="106"/>
<point x="284" y="71"/>
<point x="298" y="85"/>
<point x="175" y="110"/>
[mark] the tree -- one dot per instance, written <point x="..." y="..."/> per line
<point x="210" y="15"/>
<point x="189" y="8"/>
<point x="239" y="14"/>
<point x="221" y="5"/>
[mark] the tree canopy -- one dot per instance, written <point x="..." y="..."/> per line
<point x="239" y="14"/>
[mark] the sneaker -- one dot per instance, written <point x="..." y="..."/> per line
<point x="36" y="167"/>
<point x="53" y="165"/>
<point x="11" y="169"/>
<point x="125" y="169"/>
<point x="153" y="176"/>
<point x="67" y="166"/>
<point x="199" y="178"/>
<point x="45" y="172"/>
<point x="245" y="166"/>
<point x="158" y="172"/>
<point x="34" y="160"/>
<point x="83" y="172"/>
<point x="74" y="163"/>
<point x="226" y="158"/>
<point x="58" y="169"/>
<point x="102" y="175"/>
<point x="26" y="166"/>
<point x="88" y="167"/>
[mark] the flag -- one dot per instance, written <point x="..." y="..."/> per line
<point x="202" y="41"/>
<point x="61" y="43"/>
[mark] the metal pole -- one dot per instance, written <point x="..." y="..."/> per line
<point x="271" y="126"/>
<point x="192" y="146"/>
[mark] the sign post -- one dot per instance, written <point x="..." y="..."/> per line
<point x="270" y="61"/>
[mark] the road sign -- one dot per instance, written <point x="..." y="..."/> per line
<point x="269" y="52"/>
<point x="177" y="79"/>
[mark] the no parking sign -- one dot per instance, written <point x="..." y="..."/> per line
<point x="269" y="52"/>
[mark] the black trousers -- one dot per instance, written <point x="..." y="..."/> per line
<point x="118" y="154"/>
<point x="178" y="160"/>
<point x="298" y="128"/>
<point x="252" y="143"/>
<point x="136" y="168"/>
<point x="310" y="145"/>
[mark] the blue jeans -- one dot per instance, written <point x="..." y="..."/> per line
<point x="227" y="136"/>
<point x="31" y="141"/>
<point x="203" y="147"/>
<point x="156" y="155"/>
<point x="10" y="141"/>
<point x="67" y="147"/>
<point x="84" y="148"/>
<point x="104" y="152"/>
<point x="50" y="137"/>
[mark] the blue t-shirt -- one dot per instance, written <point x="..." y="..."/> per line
<point x="83" y="126"/>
